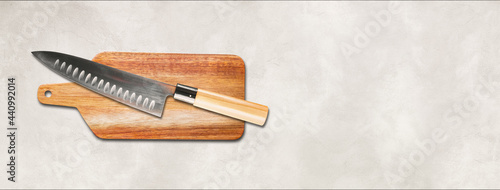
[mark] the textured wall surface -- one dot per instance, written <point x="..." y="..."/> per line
<point x="361" y="94"/>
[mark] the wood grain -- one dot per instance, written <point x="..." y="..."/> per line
<point x="236" y="108"/>
<point x="108" y="119"/>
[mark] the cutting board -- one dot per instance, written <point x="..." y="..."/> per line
<point x="224" y="74"/>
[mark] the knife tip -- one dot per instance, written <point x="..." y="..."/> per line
<point x="37" y="54"/>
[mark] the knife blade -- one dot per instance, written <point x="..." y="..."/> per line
<point x="146" y="94"/>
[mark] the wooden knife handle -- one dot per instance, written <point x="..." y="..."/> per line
<point x="222" y="104"/>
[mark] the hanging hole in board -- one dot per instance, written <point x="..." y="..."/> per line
<point x="48" y="93"/>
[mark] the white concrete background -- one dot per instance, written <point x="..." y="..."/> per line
<point x="408" y="100"/>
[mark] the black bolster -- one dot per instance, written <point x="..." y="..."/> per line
<point x="185" y="93"/>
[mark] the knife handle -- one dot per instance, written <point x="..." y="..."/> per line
<point x="222" y="104"/>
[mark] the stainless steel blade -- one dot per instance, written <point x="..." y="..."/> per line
<point x="133" y="90"/>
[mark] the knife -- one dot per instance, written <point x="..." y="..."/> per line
<point x="146" y="94"/>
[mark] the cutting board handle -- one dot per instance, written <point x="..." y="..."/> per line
<point x="233" y="107"/>
<point x="52" y="94"/>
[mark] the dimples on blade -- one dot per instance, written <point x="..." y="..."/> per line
<point x="135" y="91"/>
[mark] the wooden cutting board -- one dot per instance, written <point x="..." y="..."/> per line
<point x="108" y="119"/>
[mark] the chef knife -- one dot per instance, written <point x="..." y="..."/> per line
<point x="146" y="94"/>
